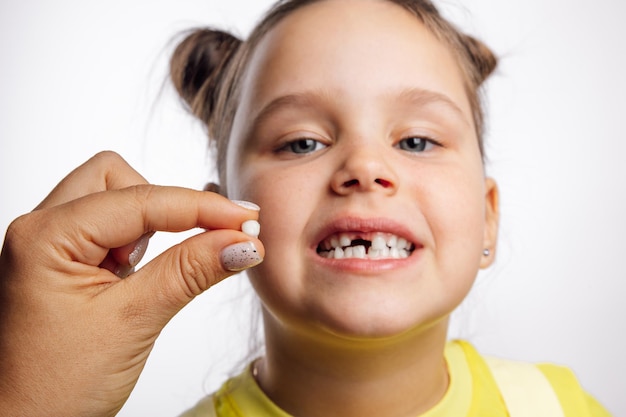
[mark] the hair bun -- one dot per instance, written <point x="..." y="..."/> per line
<point x="197" y="65"/>
<point x="481" y="56"/>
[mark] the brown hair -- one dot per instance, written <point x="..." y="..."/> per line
<point x="207" y="67"/>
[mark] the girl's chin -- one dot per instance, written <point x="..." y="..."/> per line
<point x="373" y="327"/>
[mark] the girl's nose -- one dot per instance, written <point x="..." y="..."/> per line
<point x="365" y="170"/>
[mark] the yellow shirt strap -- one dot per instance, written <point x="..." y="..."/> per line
<point x="525" y="389"/>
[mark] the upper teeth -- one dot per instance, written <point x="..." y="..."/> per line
<point x="354" y="245"/>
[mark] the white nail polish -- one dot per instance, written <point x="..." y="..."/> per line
<point x="247" y="205"/>
<point x="251" y="227"/>
<point x="240" y="256"/>
<point x="139" y="251"/>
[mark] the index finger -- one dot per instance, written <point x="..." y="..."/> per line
<point x="91" y="225"/>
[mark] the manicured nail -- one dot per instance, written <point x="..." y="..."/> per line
<point x="247" y="205"/>
<point x="251" y="227"/>
<point x="240" y="256"/>
<point x="123" y="271"/>
<point x="139" y="251"/>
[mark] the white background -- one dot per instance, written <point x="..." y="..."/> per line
<point x="77" y="77"/>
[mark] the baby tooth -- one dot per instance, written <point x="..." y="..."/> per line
<point x="348" y="252"/>
<point x="402" y="243"/>
<point x="379" y="243"/>
<point x="334" y="242"/>
<point x="359" y="252"/>
<point x="393" y="241"/>
<point x="339" y="253"/>
<point x="251" y="227"/>
<point x="394" y="253"/>
<point x="344" y="241"/>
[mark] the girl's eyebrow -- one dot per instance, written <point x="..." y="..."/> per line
<point x="421" y="97"/>
<point x="305" y="99"/>
<point x="412" y="96"/>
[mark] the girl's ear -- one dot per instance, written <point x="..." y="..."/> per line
<point x="492" y="220"/>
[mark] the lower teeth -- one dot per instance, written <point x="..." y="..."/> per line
<point x="361" y="252"/>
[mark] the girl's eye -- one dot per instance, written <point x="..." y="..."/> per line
<point x="303" y="146"/>
<point x="415" y="144"/>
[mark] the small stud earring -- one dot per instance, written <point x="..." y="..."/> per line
<point x="486" y="252"/>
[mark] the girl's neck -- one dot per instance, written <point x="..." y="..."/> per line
<point x="308" y="377"/>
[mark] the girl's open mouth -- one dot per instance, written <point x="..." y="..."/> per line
<point x="359" y="245"/>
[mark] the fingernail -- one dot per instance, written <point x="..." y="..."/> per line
<point x="139" y="251"/>
<point x="247" y="205"/>
<point x="122" y="271"/>
<point x="251" y="227"/>
<point x="240" y="256"/>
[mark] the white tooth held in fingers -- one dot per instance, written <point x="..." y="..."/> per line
<point x="251" y="227"/>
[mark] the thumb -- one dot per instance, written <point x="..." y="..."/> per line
<point x="170" y="281"/>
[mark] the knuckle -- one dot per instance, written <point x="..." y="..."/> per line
<point x="143" y="192"/>
<point x="20" y="242"/>
<point x="141" y="195"/>
<point x="197" y="273"/>
<point x="108" y="158"/>
<point x="109" y="163"/>
<point x="20" y="229"/>
<point x="16" y="226"/>
<point x="116" y="172"/>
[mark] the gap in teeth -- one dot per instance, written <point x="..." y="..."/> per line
<point x="359" y="246"/>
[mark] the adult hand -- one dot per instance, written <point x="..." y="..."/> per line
<point x="75" y="331"/>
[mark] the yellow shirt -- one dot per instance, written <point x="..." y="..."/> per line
<point x="472" y="392"/>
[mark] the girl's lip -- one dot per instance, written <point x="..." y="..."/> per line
<point x="365" y="266"/>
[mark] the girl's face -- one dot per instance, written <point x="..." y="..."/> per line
<point x="355" y="136"/>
